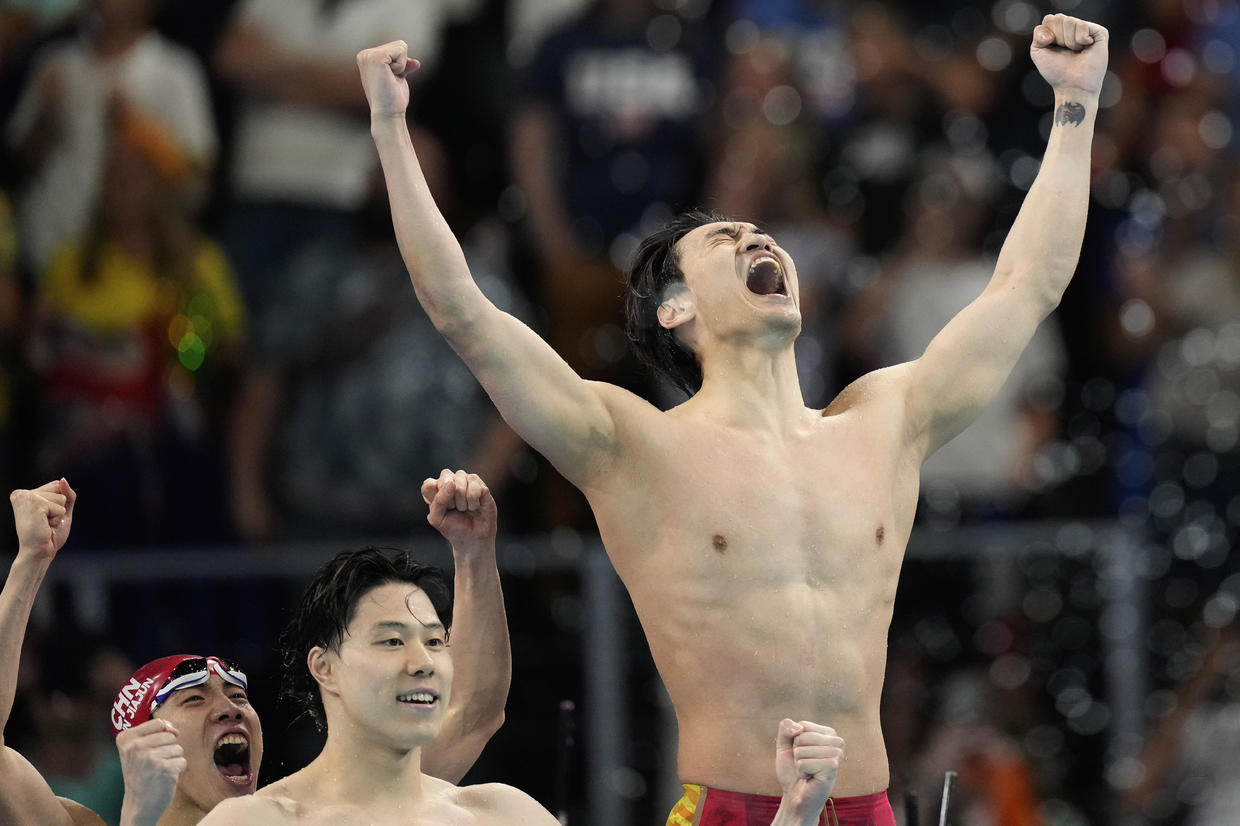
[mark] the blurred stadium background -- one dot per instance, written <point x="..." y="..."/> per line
<point x="205" y="326"/>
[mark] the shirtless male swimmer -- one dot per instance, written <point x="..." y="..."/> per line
<point x="760" y="541"/>
<point x="187" y="735"/>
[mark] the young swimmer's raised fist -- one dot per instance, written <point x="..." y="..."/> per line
<point x="461" y="507"/>
<point x="384" y="71"/>
<point x="807" y="761"/>
<point x="43" y="517"/>
<point x="1070" y="53"/>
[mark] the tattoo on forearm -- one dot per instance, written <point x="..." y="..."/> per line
<point x="1073" y="113"/>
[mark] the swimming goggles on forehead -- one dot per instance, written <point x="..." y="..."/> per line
<point x="197" y="671"/>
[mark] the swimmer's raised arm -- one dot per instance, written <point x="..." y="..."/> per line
<point x="561" y="415"/>
<point x="968" y="361"/>
<point x="807" y="761"/>
<point x="463" y="510"/>
<point x="43" y="517"/>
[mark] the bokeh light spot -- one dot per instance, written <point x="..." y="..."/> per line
<point x="742" y="36"/>
<point x="1015" y="16"/>
<point x="191" y="351"/>
<point x="1136" y="317"/>
<point x="781" y="105"/>
<point x="994" y="54"/>
<point x="1148" y="45"/>
<point x="663" y="32"/>
<point x="1215" y="129"/>
<point x="1179" y="67"/>
<point x="1218" y="57"/>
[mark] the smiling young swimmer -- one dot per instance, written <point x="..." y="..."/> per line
<point x="760" y="540"/>
<point x="186" y="734"/>
<point x="367" y="654"/>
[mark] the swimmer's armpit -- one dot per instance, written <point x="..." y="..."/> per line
<point x="1070" y="113"/>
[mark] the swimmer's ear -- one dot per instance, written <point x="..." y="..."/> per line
<point x="320" y="665"/>
<point x="677" y="307"/>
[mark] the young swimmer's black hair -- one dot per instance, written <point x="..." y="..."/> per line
<point x="329" y="604"/>
<point x="655" y="265"/>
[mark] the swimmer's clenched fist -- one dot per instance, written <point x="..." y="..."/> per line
<point x="43" y="517"/>
<point x="385" y="70"/>
<point x="807" y="761"/>
<point x="1070" y="53"/>
<point x="461" y="507"/>
<point x="151" y="762"/>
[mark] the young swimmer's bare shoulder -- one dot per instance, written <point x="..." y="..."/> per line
<point x="252" y="810"/>
<point x="495" y="803"/>
<point x="79" y="815"/>
<point x="874" y="387"/>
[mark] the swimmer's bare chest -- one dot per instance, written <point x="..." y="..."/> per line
<point x="368" y="816"/>
<point x="824" y="504"/>
<point x="764" y="572"/>
<point x="298" y="804"/>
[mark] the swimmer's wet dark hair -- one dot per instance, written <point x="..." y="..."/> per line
<point x="656" y="265"/>
<point x="329" y="604"/>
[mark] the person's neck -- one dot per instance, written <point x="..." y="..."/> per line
<point x="181" y="812"/>
<point x="750" y="388"/>
<point x="356" y="768"/>
<point x="113" y="42"/>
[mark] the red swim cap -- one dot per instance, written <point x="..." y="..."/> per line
<point x="151" y="684"/>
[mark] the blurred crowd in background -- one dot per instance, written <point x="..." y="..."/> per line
<point x="205" y="324"/>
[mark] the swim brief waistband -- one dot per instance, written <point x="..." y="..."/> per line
<point x="704" y="806"/>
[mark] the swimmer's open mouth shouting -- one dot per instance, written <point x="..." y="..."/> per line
<point x="232" y="758"/>
<point x="766" y="276"/>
